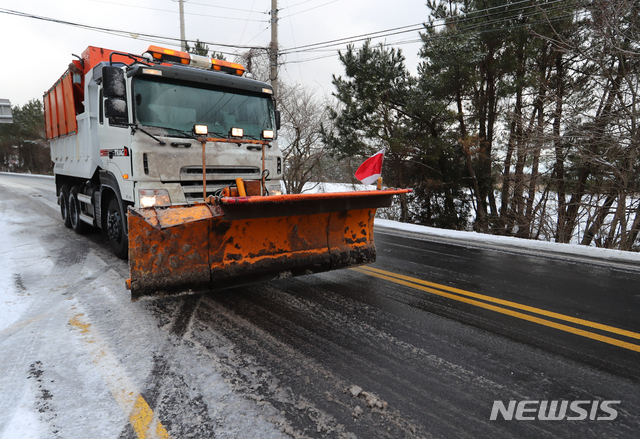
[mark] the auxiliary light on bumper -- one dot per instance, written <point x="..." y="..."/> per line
<point x="154" y="197"/>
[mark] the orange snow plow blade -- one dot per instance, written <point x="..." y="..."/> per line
<point x="242" y="240"/>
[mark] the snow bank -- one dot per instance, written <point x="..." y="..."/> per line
<point x="508" y="241"/>
<point x="324" y="187"/>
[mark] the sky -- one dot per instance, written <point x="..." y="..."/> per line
<point x="34" y="53"/>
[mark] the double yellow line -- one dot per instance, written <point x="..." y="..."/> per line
<point x="507" y="307"/>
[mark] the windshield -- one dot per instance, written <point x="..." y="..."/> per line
<point x="179" y="107"/>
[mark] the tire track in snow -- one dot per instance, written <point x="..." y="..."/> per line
<point x="261" y="361"/>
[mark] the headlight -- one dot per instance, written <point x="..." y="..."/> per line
<point x="275" y="190"/>
<point x="154" y="197"/>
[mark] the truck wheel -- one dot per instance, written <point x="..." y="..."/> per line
<point x="77" y="224"/>
<point x="115" y="229"/>
<point x="63" y="200"/>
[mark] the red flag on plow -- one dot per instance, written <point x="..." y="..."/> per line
<point x="371" y="169"/>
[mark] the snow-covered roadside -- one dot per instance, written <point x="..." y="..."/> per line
<point x="313" y="187"/>
<point x="17" y="401"/>
<point x="50" y="177"/>
<point x="16" y="254"/>
<point x="73" y="344"/>
<point x="511" y="242"/>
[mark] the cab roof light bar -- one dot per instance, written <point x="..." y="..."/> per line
<point x="160" y="54"/>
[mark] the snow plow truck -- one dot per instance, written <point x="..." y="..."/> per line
<point x="173" y="156"/>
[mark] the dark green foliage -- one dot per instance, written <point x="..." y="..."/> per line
<point x="383" y="107"/>
<point x="202" y="49"/>
<point x="524" y="115"/>
<point x="22" y="144"/>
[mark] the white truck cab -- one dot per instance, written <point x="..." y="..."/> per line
<point x="121" y="129"/>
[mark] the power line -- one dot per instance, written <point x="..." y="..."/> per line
<point x="310" y="9"/>
<point x="421" y="26"/>
<point x="299" y="3"/>
<point x="300" y="61"/>
<point x="294" y="40"/>
<point x="466" y="32"/>
<point x="410" y="28"/>
<point x="251" y="11"/>
<point x="246" y="22"/>
<point x="186" y="13"/>
<point x="121" y="33"/>
<point x="354" y="38"/>
<point x="260" y="33"/>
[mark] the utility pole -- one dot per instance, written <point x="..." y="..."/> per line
<point x="273" y="55"/>
<point x="183" y="41"/>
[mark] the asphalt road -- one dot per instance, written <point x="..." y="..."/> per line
<point x="418" y="345"/>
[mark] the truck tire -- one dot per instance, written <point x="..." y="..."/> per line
<point x="118" y="239"/>
<point x="63" y="200"/>
<point x="78" y="226"/>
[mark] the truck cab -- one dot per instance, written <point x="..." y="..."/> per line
<point x="121" y="129"/>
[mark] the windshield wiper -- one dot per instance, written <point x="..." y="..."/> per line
<point x="135" y="127"/>
<point x="220" y="135"/>
<point x="182" y="133"/>
<point x="190" y="135"/>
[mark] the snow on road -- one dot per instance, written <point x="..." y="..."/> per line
<point x="80" y="360"/>
<point x="17" y="395"/>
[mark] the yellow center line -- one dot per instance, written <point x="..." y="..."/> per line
<point x="144" y="421"/>
<point x="516" y="305"/>
<point x="422" y="285"/>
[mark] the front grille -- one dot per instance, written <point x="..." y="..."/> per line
<point x="193" y="189"/>
<point x="238" y="171"/>
<point x="218" y="177"/>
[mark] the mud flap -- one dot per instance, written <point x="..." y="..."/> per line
<point x="242" y="240"/>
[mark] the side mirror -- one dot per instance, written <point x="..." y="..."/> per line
<point x="113" y="82"/>
<point x="114" y="88"/>
<point x="277" y="112"/>
<point x="116" y="109"/>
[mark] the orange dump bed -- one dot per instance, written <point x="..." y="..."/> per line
<point x="64" y="101"/>
<point x="60" y="108"/>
